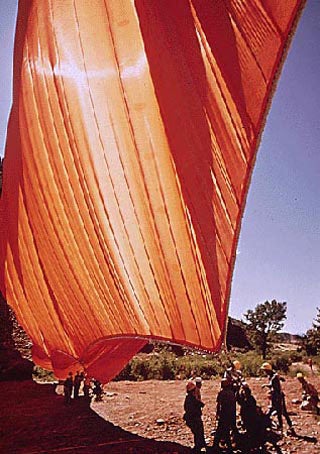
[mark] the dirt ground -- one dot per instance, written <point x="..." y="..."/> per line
<point x="134" y="418"/>
<point x="136" y="407"/>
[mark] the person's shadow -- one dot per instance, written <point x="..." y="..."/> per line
<point x="33" y="420"/>
<point x="244" y="446"/>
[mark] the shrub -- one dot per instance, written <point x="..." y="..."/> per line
<point x="125" y="374"/>
<point x="40" y="374"/>
<point x="282" y="363"/>
<point x="296" y="356"/>
<point x="251" y="363"/>
<point x="139" y="369"/>
<point x="146" y="367"/>
<point x="166" y="365"/>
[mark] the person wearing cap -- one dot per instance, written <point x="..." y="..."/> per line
<point x="225" y="414"/>
<point x="310" y="397"/>
<point x="278" y="403"/>
<point x="193" y="416"/>
<point x="234" y="374"/>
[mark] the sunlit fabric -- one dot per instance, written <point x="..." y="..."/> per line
<point x="130" y="146"/>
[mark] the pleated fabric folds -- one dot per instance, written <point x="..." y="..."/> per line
<point x="130" y="146"/>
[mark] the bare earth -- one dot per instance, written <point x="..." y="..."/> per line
<point x="33" y="419"/>
<point x="136" y="407"/>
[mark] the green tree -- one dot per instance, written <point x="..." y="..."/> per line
<point x="312" y="337"/>
<point x="264" y="322"/>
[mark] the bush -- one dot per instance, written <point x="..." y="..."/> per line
<point x="315" y="361"/>
<point x="146" y="367"/>
<point x="166" y="365"/>
<point x="296" y="356"/>
<point x="251" y="363"/>
<point x="125" y="374"/>
<point x="44" y="375"/>
<point x="282" y="363"/>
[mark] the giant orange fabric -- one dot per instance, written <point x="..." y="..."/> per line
<point x="131" y="142"/>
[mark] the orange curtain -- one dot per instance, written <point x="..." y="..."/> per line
<point x="131" y="142"/>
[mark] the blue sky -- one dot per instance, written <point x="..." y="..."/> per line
<point x="7" y="27"/>
<point x="279" y="247"/>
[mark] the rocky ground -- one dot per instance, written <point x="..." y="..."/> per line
<point x="153" y="409"/>
<point x="134" y="418"/>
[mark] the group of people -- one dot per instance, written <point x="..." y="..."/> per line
<point x="73" y="384"/>
<point x="255" y="424"/>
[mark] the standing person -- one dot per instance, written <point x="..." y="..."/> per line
<point x="198" y="382"/>
<point x="82" y="378"/>
<point x="278" y="402"/>
<point x="97" y="390"/>
<point x="310" y="364"/>
<point x="67" y="389"/>
<point x="193" y="416"/>
<point x="310" y="396"/>
<point x="248" y="409"/>
<point x="86" y="387"/>
<point x="252" y="420"/>
<point x="234" y="375"/>
<point x="226" y="414"/>
<point x="76" y="384"/>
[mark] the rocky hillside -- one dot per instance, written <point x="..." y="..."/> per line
<point x="15" y="347"/>
<point x="236" y="334"/>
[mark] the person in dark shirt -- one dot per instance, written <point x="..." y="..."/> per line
<point x="226" y="414"/>
<point x="278" y="403"/>
<point x="193" y="416"/>
<point x="86" y="385"/>
<point x="76" y="384"/>
<point x="248" y="408"/>
<point x="198" y="383"/>
<point x="253" y="420"/>
<point x="97" y="390"/>
<point x="67" y="389"/>
<point x="234" y="374"/>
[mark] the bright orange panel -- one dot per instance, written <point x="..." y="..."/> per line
<point x="131" y="142"/>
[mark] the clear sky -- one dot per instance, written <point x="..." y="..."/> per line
<point x="279" y="248"/>
<point x="8" y="9"/>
